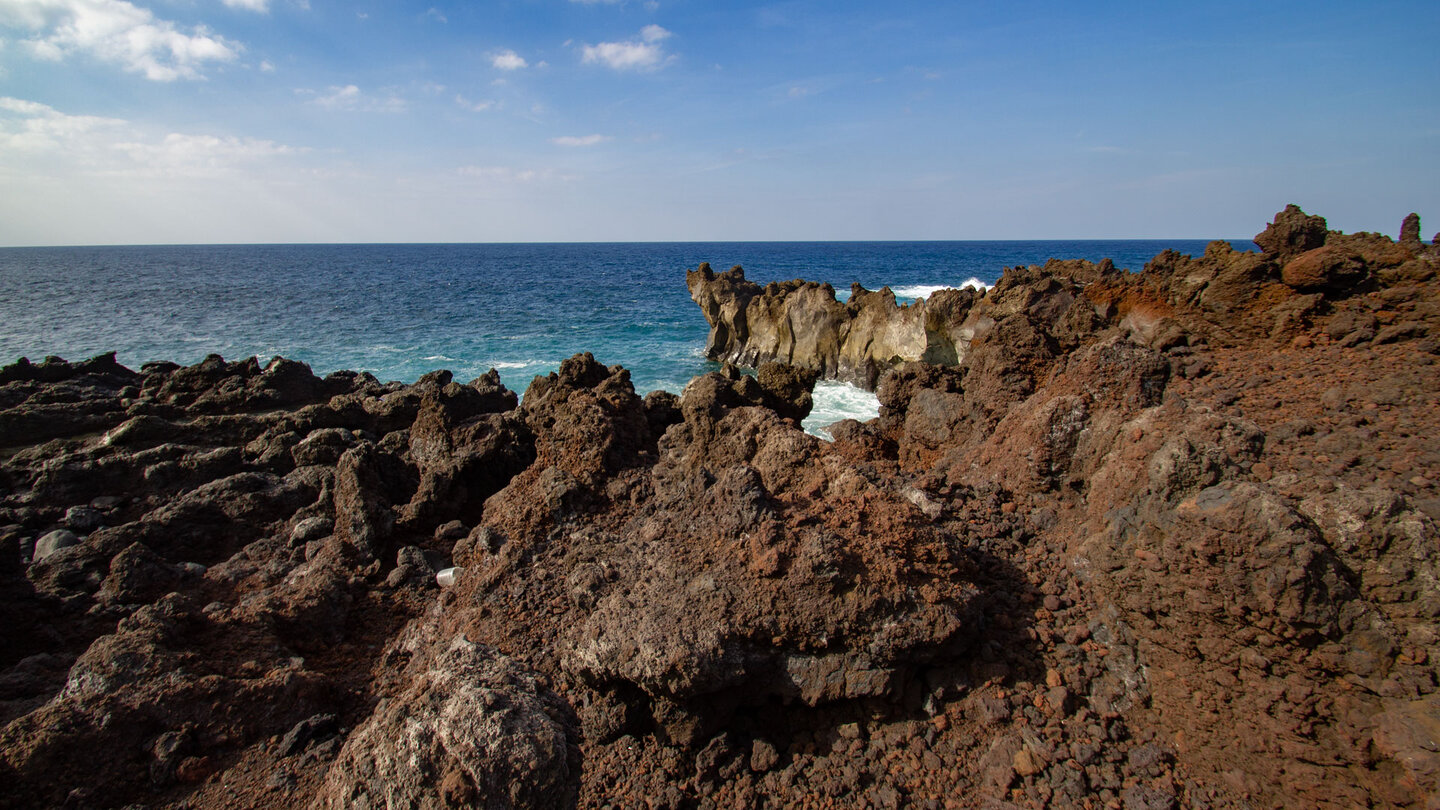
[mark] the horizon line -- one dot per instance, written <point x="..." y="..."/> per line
<point x="621" y="242"/>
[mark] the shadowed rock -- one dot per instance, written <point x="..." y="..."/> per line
<point x="471" y="729"/>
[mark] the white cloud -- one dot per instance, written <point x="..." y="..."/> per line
<point x="499" y="173"/>
<point x="340" y="97"/>
<point x="650" y="5"/>
<point x="33" y="128"/>
<point x="119" y="181"/>
<point x="508" y="60"/>
<point x="117" y="31"/>
<point x="507" y="175"/>
<point x="43" y="140"/>
<point x="436" y="14"/>
<point x="266" y="66"/>
<point x="645" y="53"/>
<point x="202" y="154"/>
<point x="579" y="140"/>
<point x="23" y="107"/>
<point x="473" y="106"/>
<point x="350" y="98"/>
<point x="262" y="6"/>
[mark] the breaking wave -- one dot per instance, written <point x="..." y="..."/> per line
<point x="835" y="401"/>
<point x="914" y="291"/>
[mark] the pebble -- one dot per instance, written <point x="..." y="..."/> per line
<point x="310" y="529"/>
<point x="763" y="756"/>
<point x="1026" y="763"/>
<point x="454" y="530"/>
<point x="1057" y="698"/>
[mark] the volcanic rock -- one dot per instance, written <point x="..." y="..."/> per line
<point x="1324" y="268"/>
<point x="1410" y="231"/>
<point x="54" y="541"/>
<point x="470" y="729"/>
<point x="1291" y="233"/>
<point x="1144" y="539"/>
<point x="802" y="324"/>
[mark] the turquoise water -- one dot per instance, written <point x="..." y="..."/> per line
<point x="399" y="311"/>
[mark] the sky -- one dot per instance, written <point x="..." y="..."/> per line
<point x="235" y="121"/>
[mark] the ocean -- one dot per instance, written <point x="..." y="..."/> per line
<point x="398" y="311"/>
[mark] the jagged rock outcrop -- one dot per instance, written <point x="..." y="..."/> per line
<point x="704" y="583"/>
<point x="801" y="323"/>
<point x="1291" y="233"/>
<point x="1038" y="311"/>
<point x="1147" y="539"/>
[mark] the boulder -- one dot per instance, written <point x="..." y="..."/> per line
<point x="364" y="519"/>
<point x="1329" y="268"/>
<point x="471" y="728"/>
<point x="138" y="575"/>
<point x="787" y="389"/>
<point x="84" y="518"/>
<point x="52" y="542"/>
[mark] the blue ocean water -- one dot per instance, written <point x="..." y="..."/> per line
<point x="399" y="311"/>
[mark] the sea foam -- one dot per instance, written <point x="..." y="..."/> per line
<point x="835" y="401"/>
<point x="914" y="291"/>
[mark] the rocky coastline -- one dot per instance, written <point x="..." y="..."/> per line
<point x="1142" y="540"/>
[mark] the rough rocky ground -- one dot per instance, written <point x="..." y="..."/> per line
<point x="1153" y="540"/>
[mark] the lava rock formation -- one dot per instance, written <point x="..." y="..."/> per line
<point x="1138" y="540"/>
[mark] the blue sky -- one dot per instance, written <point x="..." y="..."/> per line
<point x="188" y="121"/>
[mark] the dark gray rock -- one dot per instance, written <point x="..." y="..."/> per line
<point x="54" y="541"/>
<point x="307" y="732"/>
<point x="83" y="518"/>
